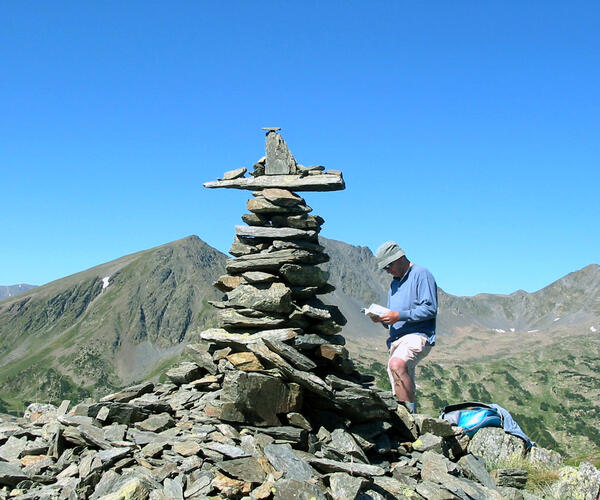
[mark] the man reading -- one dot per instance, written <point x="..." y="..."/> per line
<point x="412" y="300"/>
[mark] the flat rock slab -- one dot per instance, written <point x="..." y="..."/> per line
<point x="184" y="372"/>
<point x="231" y="317"/>
<point x="297" y="359"/>
<point x="272" y="261"/>
<point x="223" y="337"/>
<point x="513" y="478"/>
<point x="300" y="275"/>
<point x="234" y="174"/>
<point x="283" y="458"/>
<point x="344" y="485"/>
<point x="273" y="297"/>
<point x="302" y="221"/>
<point x="320" y="182"/>
<point x="355" y="469"/>
<point x="288" y="489"/>
<point x="279" y="233"/>
<point x="11" y="475"/>
<point x="245" y="469"/>
<point x="257" y="277"/>
<point x="473" y="467"/>
<point x="282" y="197"/>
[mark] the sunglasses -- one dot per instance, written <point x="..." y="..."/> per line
<point x="389" y="266"/>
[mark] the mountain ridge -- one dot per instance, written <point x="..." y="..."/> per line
<point x="126" y="320"/>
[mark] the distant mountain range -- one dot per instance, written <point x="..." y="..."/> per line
<point x="128" y="319"/>
<point x="12" y="290"/>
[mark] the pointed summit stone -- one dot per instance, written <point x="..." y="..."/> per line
<point x="280" y="160"/>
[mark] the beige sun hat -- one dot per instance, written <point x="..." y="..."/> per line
<point x="388" y="253"/>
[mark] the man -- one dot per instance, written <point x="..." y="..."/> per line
<point x="412" y="300"/>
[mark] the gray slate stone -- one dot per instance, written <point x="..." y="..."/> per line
<point x="473" y="467"/>
<point x="245" y="469"/>
<point x="235" y="319"/>
<point x="279" y="158"/>
<point x="282" y="197"/>
<point x="223" y="337"/>
<point x="436" y="426"/>
<point x="129" y="393"/>
<point x="432" y="491"/>
<point x="173" y="488"/>
<point x="273" y="261"/>
<point x="156" y="423"/>
<point x="293" y="489"/>
<point x="12" y="448"/>
<point x="493" y="444"/>
<point x="283" y="458"/>
<point x="297" y="359"/>
<point x="345" y="444"/>
<point x="273" y="297"/>
<point x="282" y="233"/>
<point x="436" y="466"/>
<point x="545" y="457"/>
<point x="10" y="474"/>
<point x="243" y="389"/>
<point x="302" y="275"/>
<point x="234" y="174"/>
<point x="512" y="478"/>
<point x="344" y="485"/>
<point x="398" y="489"/>
<point x="261" y="206"/>
<point x="254" y="219"/>
<point x="322" y="182"/>
<point x="328" y="466"/>
<point x="259" y="277"/>
<point x="300" y="221"/>
<point x="184" y="372"/>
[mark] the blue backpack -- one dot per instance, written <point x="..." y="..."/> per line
<point x="472" y="416"/>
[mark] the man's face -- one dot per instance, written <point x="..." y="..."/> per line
<point x="395" y="268"/>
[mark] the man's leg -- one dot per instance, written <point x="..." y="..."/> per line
<point x="405" y="353"/>
<point x="404" y="385"/>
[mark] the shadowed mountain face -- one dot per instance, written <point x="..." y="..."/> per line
<point x="12" y="290"/>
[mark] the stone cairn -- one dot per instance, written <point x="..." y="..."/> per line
<point x="269" y="405"/>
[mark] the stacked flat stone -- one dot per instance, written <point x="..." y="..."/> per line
<point x="273" y="281"/>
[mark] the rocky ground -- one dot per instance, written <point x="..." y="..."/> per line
<point x="247" y="417"/>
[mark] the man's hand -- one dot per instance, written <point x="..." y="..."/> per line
<point x="389" y="318"/>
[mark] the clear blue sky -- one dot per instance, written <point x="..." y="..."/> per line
<point x="469" y="132"/>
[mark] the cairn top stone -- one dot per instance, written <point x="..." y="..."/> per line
<point x="279" y="169"/>
<point x="279" y="158"/>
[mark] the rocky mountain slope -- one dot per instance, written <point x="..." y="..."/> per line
<point x="12" y="290"/>
<point x="105" y="327"/>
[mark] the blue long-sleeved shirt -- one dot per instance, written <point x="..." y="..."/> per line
<point x="414" y="297"/>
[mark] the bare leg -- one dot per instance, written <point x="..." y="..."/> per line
<point x="404" y="385"/>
